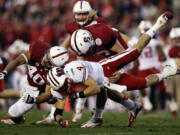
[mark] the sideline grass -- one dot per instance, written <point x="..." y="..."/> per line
<point x="114" y="124"/>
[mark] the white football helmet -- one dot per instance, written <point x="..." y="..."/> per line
<point x="82" y="41"/>
<point x="144" y="26"/>
<point x="82" y="7"/>
<point x="175" y="35"/>
<point x="58" y="56"/>
<point x="58" y="80"/>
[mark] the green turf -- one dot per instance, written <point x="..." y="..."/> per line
<point x="114" y="124"/>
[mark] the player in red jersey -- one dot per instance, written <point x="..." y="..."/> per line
<point x="110" y="66"/>
<point x="174" y="51"/>
<point x="85" y="16"/>
<point x="39" y="59"/>
<point x="86" y="42"/>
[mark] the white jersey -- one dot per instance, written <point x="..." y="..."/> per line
<point x="149" y="57"/>
<point x="79" y="71"/>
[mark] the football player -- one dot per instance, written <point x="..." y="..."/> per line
<point x="92" y="74"/>
<point x="39" y="59"/>
<point x="85" y="16"/>
<point x="149" y="61"/>
<point x="89" y="41"/>
<point x="174" y="35"/>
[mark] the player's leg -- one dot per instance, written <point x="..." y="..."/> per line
<point x="16" y="112"/>
<point x="96" y="119"/>
<point x="79" y="107"/>
<point x="145" y="38"/>
<point x="132" y="107"/>
<point x="49" y="119"/>
<point x="171" y="95"/>
<point x="118" y="61"/>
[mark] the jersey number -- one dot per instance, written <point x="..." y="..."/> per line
<point x="37" y="78"/>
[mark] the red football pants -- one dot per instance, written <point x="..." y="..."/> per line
<point x="114" y="63"/>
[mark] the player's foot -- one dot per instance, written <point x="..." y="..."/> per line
<point x="93" y="122"/>
<point x="162" y="20"/>
<point x="174" y="114"/>
<point x="9" y="121"/>
<point x="169" y="70"/>
<point x="77" y="116"/>
<point x="147" y="105"/>
<point x="47" y="120"/>
<point x="173" y="108"/>
<point x="133" y="114"/>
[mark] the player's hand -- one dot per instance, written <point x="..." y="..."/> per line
<point x="3" y="74"/>
<point x="64" y="123"/>
<point x="28" y="99"/>
<point x="115" y="77"/>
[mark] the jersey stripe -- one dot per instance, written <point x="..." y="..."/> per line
<point x="116" y="57"/>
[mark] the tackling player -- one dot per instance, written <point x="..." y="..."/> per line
<point x="38" y="59"/>
<point x="92" y="74"/>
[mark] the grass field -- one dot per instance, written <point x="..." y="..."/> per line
<point x="160" y="123"/>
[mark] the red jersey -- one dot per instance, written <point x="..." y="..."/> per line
<point x="174" y="52"/>
<point x="36" y="72"/>
<point x="102" y="41"/>
<point x="73" y="26"/>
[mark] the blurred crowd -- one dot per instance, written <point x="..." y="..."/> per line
<point x="45" y="19"/>
<point x="30" y="20"/>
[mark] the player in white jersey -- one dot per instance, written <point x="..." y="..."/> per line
<point x="93" y="75"/>
<point x="173" y="82"/>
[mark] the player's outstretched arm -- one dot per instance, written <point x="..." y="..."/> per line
<point x="21" y="59"/>
<point x="65" y="44"/>
<point x="146" y="37"/>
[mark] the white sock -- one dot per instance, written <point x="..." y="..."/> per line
<point x="128" y="103"/>
<point x="98" y="113"/>
<point x="80" y="104"/>
<point x="52" y="111"/>
<point x="160" y="76"/>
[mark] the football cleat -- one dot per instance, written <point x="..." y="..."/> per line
<point x="7" y="120"/>
<point x="77" y="116"/>
<point x="174" y="114"/>
<point x="147" y="106"/>
<point x="163" y="19"/>
<point x="47" y="120"/>
<point x="93" y="122"/>
<point x="169" y="70"/>
<point x="133" y="114"/>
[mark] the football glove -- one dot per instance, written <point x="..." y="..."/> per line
<point x="3" y="74"/>
<point x="28" y="99"/>
<point x="64" y="123"/>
